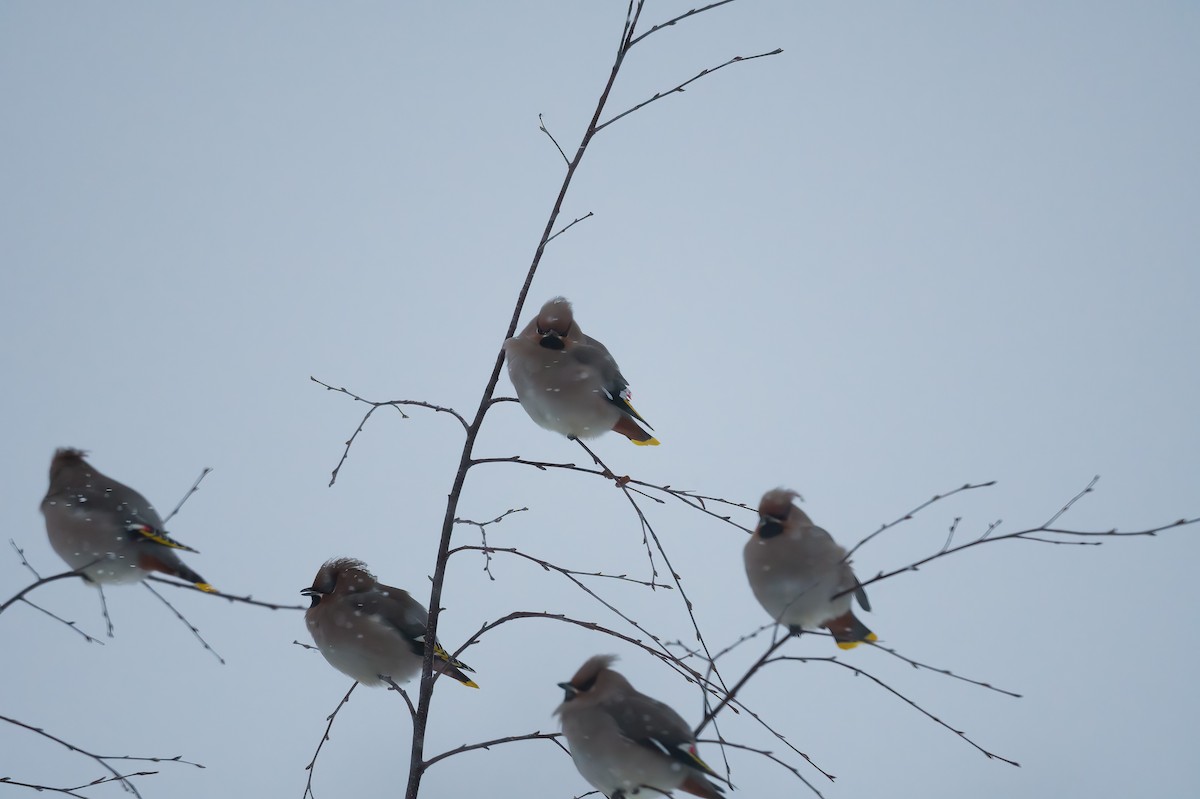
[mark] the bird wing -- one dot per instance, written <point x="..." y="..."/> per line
<point x="145" y="532"/>
<point x="593" y="354"/>
<point x="401" y="612"/>
<point x="652" y="724"/>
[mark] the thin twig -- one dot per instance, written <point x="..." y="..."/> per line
<point x="908" y="516"/>
<point x="1086" y="490"/>
<point x="104" y="609"/>
<point x="946" y="672"/>
<point x="648" y="530"/>
<point x="588" y="215"/>
<point x="689" y="498"/>
<point x="182" y="618"/>
<point x="71" y="791"/>
<point x="308" y="792"/>
<point x="192" y="490"/>
<point x="70" y="624"/>
<point x="1025" y="535"/>
<point x="542" y="127"/>
<point x="688" y="673"/>
<point x="768" y="755"/>
<point x="858" y="671"/>
<point x="374" y="407"/>
<point x="674" y="20"/>
<point x="392" y="686"/>
<point x="246" y="600"/>
<point x="735" y="60"/>
<point x="487" y="551"/>
<point x="37" y="584"/>
<point x="729" y="695"/>
<point x="103" y="759"/>
<point x="533" y="736"/>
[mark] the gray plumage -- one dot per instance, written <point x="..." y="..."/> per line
<point x="106" y="529"/>
<point x="800" y="575"/>
<point x="368" y="630"/>
<point x="568" y="381"/>
<point x="626" y="744"/>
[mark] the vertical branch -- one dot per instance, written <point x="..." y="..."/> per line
<point x="425" y="695"/>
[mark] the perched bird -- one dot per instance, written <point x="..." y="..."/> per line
<point x="626" y="744"/>
<point x="368" y="630"/>
<point x="568" y="382"/>
<point x="106" y="529"/>
<point x="800" y="575"/>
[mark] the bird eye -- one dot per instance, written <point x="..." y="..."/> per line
<point x="769" y="526"/>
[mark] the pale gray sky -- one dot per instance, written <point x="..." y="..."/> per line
<point x="926" y="245"/>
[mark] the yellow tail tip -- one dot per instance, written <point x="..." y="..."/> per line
<point x="871" y="637"/>
<point x="469" y="683"/>
<point x="650" y="442"/>
<point x="205" y="587"/>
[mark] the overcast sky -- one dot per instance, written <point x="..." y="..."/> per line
<point x="928" y="244"/>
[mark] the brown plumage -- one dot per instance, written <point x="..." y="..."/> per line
<point x="368" y="630"/>
<point x="568" y="381"/>
<point x="800" y="575"/>
<point x="623" y="741"/>
<point x="106" y="529"/>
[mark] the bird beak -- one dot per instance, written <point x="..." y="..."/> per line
<point x="552" y="341"/>
<point x="570" y="691"/>
<point x="313" y="594"/>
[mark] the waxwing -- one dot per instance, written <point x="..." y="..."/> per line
<point x="626" y="744"/>
<point x="106" y="529"/>
<point x="568" y="382"/>
<point x="368" y="630"/>
<point x="800" y="575"/>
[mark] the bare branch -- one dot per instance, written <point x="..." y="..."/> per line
<point x="674" y="20"/>
<point x="1025" y="535"/>
<point x="946" y="672"/>
<point x="70" y="624"/>
<point x="182" y="618"/>
<point x="101" y="759"/>
<point x="37" y="584"/>
<point x="1086" y="490"/>
<point x="374" y="407"/>
<point x="392" y="686"/>
<point x="768" y="755"/>
<point x="858" y="671"/>
<point x="689" y="498"/>
<point x="71" y="791"/>
<point x="542" y="127"/>
<point x="735" y="60"/>
<point x="729" y="696"/>
<point x="588" y="215"/>
<point x="648" y="530"/>
<point x="487" y="551"/>
<point x="908" y="516"/>
<point x="533" y="736"/>
<point x="308" y="792"/>
<point x="246" y="600"/>
<point x="195" y="487"/>
<point x="547" y="565"/>
<point x="689" y="674"/>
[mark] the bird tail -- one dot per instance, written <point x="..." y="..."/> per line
<point x="700" y="786"/>
<point x="175" y="568"/>
<point x="634" y="432"/>
<point x="452" y="667"/>
<point x="848" y="631"/>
